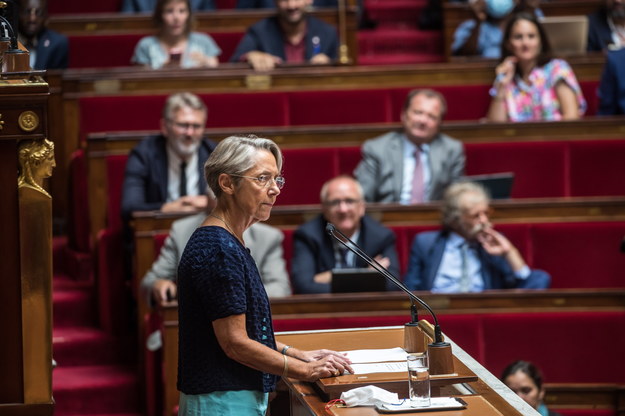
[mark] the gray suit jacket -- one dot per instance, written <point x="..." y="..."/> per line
<point x="264" y="242"/>
<point x="381" y="169"/>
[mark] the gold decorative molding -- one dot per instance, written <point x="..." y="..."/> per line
<point x="36" y="159"/>
<point x="1" y="122"/>
<point x="28" y="121"/>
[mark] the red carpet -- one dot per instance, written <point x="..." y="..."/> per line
<point x="96" y="372"/>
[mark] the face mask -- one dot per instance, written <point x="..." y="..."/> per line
<point x="499" y="8"/>
<point x="369" y="396"/>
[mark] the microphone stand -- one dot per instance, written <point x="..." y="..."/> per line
<point x="439" y="351"/>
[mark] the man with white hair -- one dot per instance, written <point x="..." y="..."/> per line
<point x="468" y="254"/>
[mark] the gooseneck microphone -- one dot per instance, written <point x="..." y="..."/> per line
<point x="354" y="248"/>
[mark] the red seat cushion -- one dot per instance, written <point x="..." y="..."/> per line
<point x="539" y="169"/>
<point x="340" y="107"/>
<point x="557" y="342"/>
<point x="597" y="167"/>
<point x="305" y="171"/>
<point x="580" y="255"/>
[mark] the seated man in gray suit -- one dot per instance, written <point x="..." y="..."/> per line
<point x="264" y="242"/>
<point x="414" y="165"/>
<point x="468" y="255"/>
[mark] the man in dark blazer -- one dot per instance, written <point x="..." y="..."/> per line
<point x="612" y="85"/>
<point x="48" y="49"/>
<point x="315" y="253"/>
<point x="166" y="172"/>
<point x="387" y="171"/>
<point x="290" y="36"/>
<point x="468" y="255"/>
<point x="606" y="25"/>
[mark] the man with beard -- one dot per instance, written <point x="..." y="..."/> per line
<point x="416" y="164"/>
<point x="290" y="36"/>
<point x="468" y="255"/>
<point x="166" y="172"/>
<point x="48" y="49"/>
<point x="315" y="253"/>
<point x="606" y="26"/>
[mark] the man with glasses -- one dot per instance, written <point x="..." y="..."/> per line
<point x="468" y="254"/>
<point x="48" y="49"/>
<point x="166" y="172"/>
<point x="315" y="253"/>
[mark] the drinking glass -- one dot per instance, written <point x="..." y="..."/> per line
<point x="418" y="380"/>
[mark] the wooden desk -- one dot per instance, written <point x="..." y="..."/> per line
<point x="377" y="304"/>
<point x="495" y="398"/>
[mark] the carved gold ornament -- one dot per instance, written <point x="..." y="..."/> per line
<point x="1" y="122"/>
<point x="36" y="160"/>
<point x="28" y="120"/>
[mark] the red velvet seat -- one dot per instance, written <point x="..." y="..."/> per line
<point x="539" y="167"/>
<point x="569" y="347"/>
<point x="580" y="255"/>
<point x="597" y="167"/>
<point x="349" y="157"/>
<point x="82" y="6"/>
<point x="339" y="107"/>
<point x="86" y="50"/>
<point x="305" y="171"/>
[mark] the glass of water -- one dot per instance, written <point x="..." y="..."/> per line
<point x="418" y="380"/>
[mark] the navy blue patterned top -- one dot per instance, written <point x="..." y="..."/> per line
<point x="217" y="278"/>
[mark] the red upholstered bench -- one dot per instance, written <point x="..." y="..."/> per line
<point x="556" y="341"/>
<point x="143" y="112"/>
<point x="90" y="50"/>
<point x="539" y="167"/>
<point x="580" y="255"/>
<point x="340" y="106"/>
<point x="597" y="167"/>
<point x="82" y="6"/>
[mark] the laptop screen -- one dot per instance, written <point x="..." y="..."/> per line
<point x="357" y="280"/>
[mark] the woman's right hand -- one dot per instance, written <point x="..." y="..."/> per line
<point x="505" y="72"/>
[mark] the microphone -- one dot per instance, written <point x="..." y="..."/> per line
<point x="353" y="247"/>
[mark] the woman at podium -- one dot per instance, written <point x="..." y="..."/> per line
<point x="228" y="358"/>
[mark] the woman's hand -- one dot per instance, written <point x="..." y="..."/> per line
<point x="505" y="72"/>
<point x="326" y="363"/>
<point x="201" y="60"/>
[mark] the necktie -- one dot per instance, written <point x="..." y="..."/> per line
<point x="343" y="254"/>
<point x="183" y="178"/>
<point x="465" y="284"/>
<point x="418" y="187"/>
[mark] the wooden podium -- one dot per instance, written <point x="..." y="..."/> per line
<point x="26" y="157"/>
<point x="483" y="392"/>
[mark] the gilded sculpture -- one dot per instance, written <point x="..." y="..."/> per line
<point x="36" y="161"/>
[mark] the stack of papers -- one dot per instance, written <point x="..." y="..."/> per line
<point x="389" y="360"/>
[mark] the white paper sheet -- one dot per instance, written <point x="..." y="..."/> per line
<point x="377" y="355"/>
<point x="388" y="367"/>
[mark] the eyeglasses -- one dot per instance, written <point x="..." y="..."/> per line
<point x="186" y="126"/>
<point x="265" y="180"/>
<point x="333" y="203"/>
<point x="38" y="12"/>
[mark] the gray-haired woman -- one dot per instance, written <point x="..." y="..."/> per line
<point x="228" y="356"/>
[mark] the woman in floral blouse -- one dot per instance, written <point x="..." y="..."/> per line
<point x="530" y="84"/>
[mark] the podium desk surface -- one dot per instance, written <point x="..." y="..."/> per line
<point x="476" y="406"/>
<point x="474" y="380"/>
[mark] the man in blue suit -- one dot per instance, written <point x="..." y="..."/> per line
<point x="612" y="85"/>
<point x="468" y="255"/>
<point x="290" y="36"/>
<point x="48" y="49"/>
<point x="166" y="172"/>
